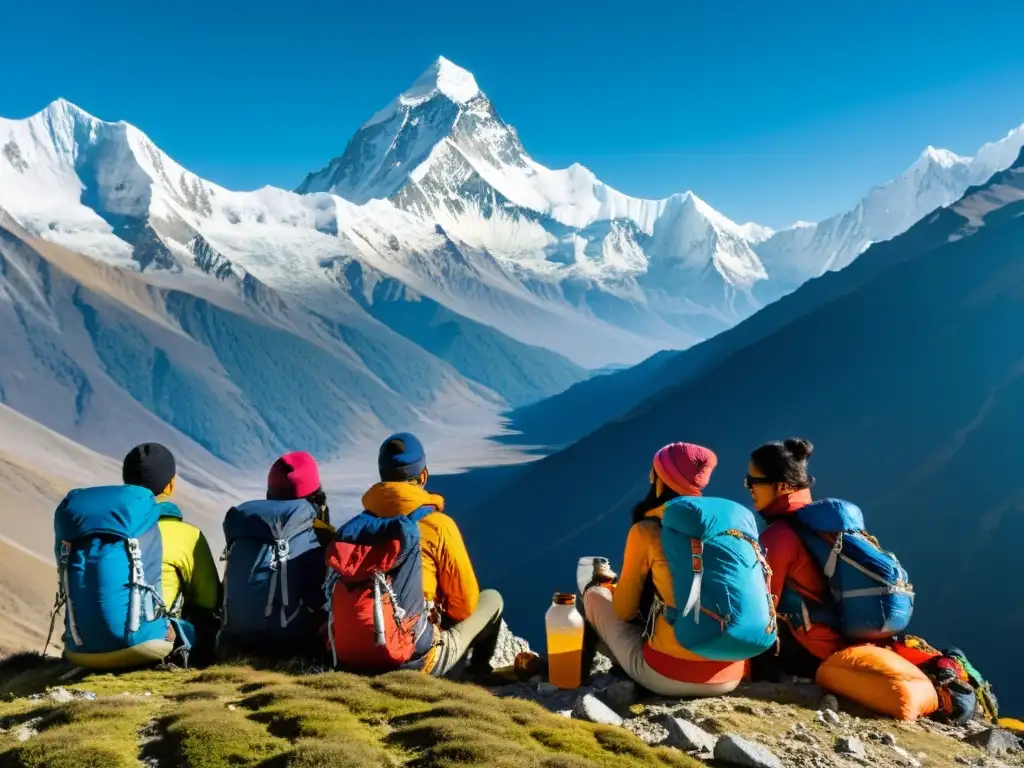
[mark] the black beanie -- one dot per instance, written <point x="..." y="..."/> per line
<point x="149" y="465"/>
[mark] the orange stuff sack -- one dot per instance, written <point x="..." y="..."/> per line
<point x="881" y="680"/>
<point x="1012" y="724"/>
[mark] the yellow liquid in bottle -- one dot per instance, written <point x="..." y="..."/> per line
<point x="565" y="658"/>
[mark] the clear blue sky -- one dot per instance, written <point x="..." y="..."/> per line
<point x="770" y="111"/>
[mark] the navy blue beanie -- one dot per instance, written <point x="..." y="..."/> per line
<point x="401" y="458"/>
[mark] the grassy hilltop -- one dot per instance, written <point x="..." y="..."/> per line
<point x="239" y="716"/>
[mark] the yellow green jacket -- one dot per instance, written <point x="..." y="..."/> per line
<point x="190" y="579"/>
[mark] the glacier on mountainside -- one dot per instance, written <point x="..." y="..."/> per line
<point x="441" y="272"/>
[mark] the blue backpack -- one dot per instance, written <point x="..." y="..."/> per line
<point x="274" y="574"/>
<point x="717" y="567"/>
<point x="871" y="595"/>
<point x="109" y="564"/>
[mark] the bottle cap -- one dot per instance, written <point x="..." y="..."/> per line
<point x="564" y="598"/>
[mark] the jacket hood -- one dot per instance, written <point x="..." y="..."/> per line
<point x="397" y="499"/>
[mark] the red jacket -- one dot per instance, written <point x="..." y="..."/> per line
<point x="792" y="564"/>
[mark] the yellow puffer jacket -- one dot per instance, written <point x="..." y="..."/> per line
<point x="448" y="578"/>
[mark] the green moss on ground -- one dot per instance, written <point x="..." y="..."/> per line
<point x="232" y="716"/>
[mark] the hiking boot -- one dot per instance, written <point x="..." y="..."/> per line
<point x="601" y="576"/>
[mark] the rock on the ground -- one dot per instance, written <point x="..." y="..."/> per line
<point x="905" y="758"/>
<point x="621" y="695"/>
<point x="27" y="730"/>
<point x="829" y="703"/>
<point x="736" y="750"/>
<point x="887" y="739"/>
<point x="594" y="710"/>
<point x="547" y="689"/>
<point x="650" y="732"/>
<point x="601" y="665"/>
<point x="749" y="709"/>
<point x="850" y="745"/>
<point x="827" y="717"/>
<point x="508" y="646"/>
<point x="684" y="735"/>
<point x="995" y="741"/>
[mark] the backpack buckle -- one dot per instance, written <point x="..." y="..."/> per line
<point x="697" y="555"/>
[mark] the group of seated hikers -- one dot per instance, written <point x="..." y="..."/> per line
<point x="392" y="588"/>
<point x="710" y="596"/>
<point x="707" y="597"/>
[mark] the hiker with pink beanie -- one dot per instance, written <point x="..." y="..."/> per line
<point x="618" y="613"/>
<point x="274" y="566"/>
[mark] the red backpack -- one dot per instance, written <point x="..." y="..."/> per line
<point x="378" y="615"/>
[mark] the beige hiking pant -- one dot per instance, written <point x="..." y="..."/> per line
<point x="480" y="628"/>
<point x="626" y="643"/>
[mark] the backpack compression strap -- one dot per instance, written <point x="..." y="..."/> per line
<point x="61" y="599"/>
<point x="279" y="578"/>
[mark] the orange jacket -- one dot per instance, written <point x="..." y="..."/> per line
<point x="448" y="578"/>
<point x="792" y="564"/>
<point x="645" y="558"/>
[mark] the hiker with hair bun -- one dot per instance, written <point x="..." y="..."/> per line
<point x="644" y="592"/>
<point x="779" y="485"/>
<point x="402" y="590"/>
<point x="274" y="572"/>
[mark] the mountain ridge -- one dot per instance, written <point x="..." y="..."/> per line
<point x="903" y="380"/>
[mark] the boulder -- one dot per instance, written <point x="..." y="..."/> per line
<point x="850" y="745"/>
<point x="592" y="709"/>
<point x="995" y="741"/>
<point x="684" y="735"/>
<point x="621" y="695"/>
<point x="735" y="750"/>
<point x="828" y="717"/>
<point x="902" y="757"/>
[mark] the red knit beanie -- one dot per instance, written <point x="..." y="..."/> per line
<point x="293" y="476"/>
<point x="685" y="468"/>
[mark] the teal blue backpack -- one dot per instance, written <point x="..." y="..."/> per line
<point x="718" y="569"/>
<point x="109" y="561"/>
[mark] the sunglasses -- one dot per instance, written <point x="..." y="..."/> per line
<point x="750" y="481"/>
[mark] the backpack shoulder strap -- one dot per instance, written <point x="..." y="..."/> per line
<point x="422" y="512"/>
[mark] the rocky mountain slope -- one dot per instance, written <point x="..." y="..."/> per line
<point x="910" y="387"/>
<point x="937" y="179"/>
<point x="430" y="277"/>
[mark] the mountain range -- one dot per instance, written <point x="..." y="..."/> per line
<point x="433" y="275"/>
<point x="906" y="371"/>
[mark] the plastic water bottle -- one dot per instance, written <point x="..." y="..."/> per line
<point x="565" y="629"/>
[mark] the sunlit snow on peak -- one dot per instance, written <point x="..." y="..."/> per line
<point x="440" y="78"/>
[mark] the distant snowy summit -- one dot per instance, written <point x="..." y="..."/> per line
<point x="436" y="196"/>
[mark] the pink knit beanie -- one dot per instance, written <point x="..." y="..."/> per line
<point x="685" y="468"/>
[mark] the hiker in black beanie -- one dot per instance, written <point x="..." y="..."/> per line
<point x="152" y="466"/>
<point x="190" y="581"/>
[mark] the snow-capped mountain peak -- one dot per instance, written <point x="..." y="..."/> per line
<point x="441" y="151"/>
<point x="941" y="157"/>
<point x="442" y="78"/>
